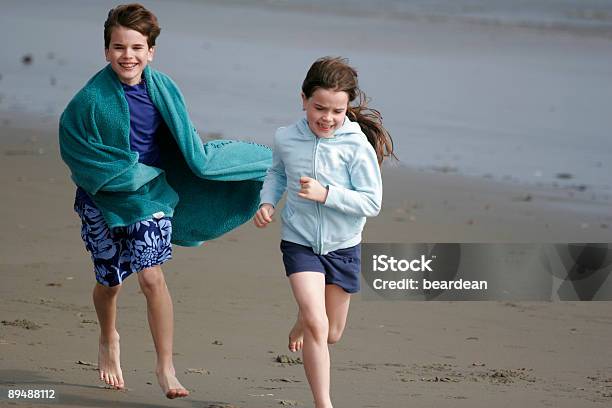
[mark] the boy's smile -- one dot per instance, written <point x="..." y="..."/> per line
<point x="128" y="54"/>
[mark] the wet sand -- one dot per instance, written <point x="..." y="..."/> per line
<point x="233" y="306"/>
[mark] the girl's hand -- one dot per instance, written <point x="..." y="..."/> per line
<point x="312" y="190"/>
<point x="263" y="216"/>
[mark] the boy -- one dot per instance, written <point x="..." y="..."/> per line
<point x="134" y="154"/>
<point x="129" y="41"/>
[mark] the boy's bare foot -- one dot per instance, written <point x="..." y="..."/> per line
<point x="109" y="364"/>
<point x="170" y="385"/>
<point x="296" y="337"/>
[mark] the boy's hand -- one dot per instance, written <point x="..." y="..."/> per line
<point x="263" y="216"/>
<point x="312" y="190"/>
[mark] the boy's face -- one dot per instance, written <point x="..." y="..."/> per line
<point x="128" y="53"/>
<point x="325" y="111"/>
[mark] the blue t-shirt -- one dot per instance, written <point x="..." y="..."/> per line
<point x="146" y="126"/>
<point x="145" y="122"/>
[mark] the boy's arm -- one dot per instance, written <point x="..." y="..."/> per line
<point x="275" y="182"/>
<point x="366" y="197"/>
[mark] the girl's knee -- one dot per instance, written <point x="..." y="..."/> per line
<point x="316" y="324"/>
<point x="336" y="329"/>
<point x="334" y="335"/>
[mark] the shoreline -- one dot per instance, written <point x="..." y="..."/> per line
<point x="593" y="24"/>
<point x="510" y="104"/>
<point x="418" y="206"/>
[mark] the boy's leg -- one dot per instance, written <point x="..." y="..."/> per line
<point x="161" y="323"/>
<point x="105" y="302"/>
<point x="309" y="292"/>
<point x="336" y="306"/>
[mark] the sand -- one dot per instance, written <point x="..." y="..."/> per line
<point x="233" y="307"/>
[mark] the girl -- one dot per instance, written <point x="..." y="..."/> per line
<point x="329" y="164"/>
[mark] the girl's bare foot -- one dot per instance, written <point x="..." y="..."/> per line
<point x="170" y="385"/>
<point x="296" y="337"/>
<point x="109" y="364"/>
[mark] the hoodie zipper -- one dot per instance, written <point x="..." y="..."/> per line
<point x="317" y="204"/>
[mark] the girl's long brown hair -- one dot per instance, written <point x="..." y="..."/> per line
<point x="335" y="74"/>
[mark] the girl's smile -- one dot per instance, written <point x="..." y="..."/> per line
<point x="325" y="111"/>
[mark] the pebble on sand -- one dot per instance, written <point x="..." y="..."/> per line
<point x="524" y="198"/>
<point x="197" y="371"/>
<point x="27" y="59"/>
<point x="285" y="359"/>
<point x="23" y="323"/>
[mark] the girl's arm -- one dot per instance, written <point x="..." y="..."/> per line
<point x="365" y="199"/>
<point x="275" y="182"/>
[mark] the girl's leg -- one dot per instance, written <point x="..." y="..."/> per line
<point x="161" y="323"/>
<point x="109" y="366"/>
<point x="309" y="292"/>
<point x="336" y="306"/>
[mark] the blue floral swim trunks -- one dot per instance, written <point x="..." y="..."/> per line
<point x="119" y="252"/>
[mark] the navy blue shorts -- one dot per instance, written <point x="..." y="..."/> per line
<point x="341" y="267"/>
<point x="119" y="252"/>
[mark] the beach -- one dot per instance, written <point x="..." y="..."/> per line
<point x="531" y="165"/>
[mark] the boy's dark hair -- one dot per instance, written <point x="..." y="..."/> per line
<point x="334" y="73"/>
<point x="135" y="17"/>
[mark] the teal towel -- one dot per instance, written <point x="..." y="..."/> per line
<point x="208" y="188"/>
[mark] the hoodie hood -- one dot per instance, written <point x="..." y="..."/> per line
<point x="347" y="128"/>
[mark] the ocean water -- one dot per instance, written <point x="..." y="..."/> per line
<point x="512" y="91"/>
<point x="588" y="15"/>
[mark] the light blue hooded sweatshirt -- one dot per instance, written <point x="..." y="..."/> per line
<point x="345" y="164"/>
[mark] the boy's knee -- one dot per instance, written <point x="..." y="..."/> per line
<point x="106" y="291"/>
<point x="151" y="279"/>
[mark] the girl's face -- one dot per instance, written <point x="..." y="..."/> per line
<point x="129" y="53"/>
<point x="325" y="111"/>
